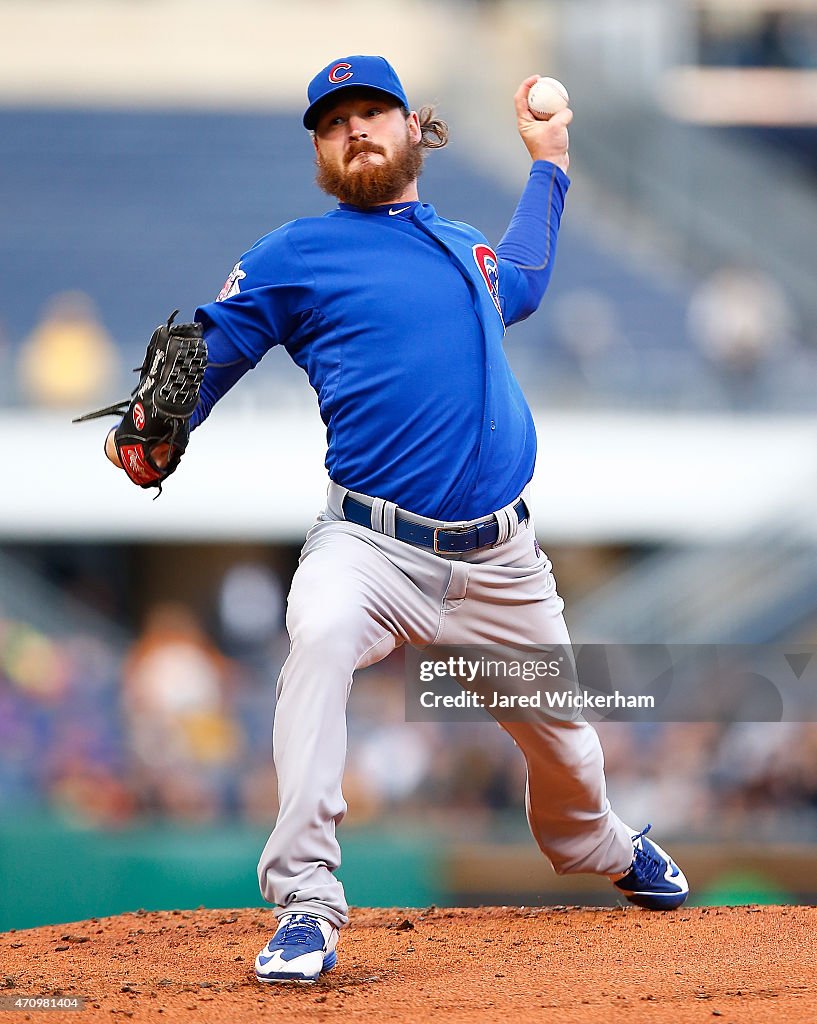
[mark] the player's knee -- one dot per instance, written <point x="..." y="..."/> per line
<point x="331" y="630"/>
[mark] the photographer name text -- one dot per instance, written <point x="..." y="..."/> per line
<point x="561" y="699"/>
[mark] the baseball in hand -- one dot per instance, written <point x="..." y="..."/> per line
<point x="547" y="97"/>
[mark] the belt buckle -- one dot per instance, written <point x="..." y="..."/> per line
<point x="447" y="529"/>
<point x="444" y="529"/>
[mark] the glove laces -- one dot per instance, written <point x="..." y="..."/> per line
<point x="120" y="408"/>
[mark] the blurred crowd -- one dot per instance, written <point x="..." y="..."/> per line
<point x="752" y="35"/>
<point x="69" y="359"/>
<point x="177" y="727"/>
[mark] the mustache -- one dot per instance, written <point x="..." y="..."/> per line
<point x="362" y="147"/>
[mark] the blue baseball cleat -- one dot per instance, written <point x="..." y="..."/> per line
<point x="300" y="951"/>
<point x="653" y="880"/>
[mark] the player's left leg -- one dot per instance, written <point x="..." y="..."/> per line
<point x="512" y="600"/>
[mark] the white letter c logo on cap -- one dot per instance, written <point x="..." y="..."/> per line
<point x="335" y="78"/>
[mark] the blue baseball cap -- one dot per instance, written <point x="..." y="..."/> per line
<point x="360" y="71"/>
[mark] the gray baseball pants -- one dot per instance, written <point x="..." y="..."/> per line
<point x="357" y="595"/>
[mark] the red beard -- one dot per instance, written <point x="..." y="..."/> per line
<point x="368" y="184"/>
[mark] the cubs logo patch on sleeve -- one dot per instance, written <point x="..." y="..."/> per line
<point x="489" y="268"/>
<point x="232" y="284"/>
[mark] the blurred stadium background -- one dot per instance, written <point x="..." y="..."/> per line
<point x="143" y="148"/>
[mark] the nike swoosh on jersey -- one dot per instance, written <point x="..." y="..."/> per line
<point x="393" y="213"/>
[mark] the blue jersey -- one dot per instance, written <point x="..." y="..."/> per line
<point x="397" y="317"/>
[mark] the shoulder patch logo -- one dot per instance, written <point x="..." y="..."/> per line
<point x="489" y="268"/>
<point x="231" y="285"/>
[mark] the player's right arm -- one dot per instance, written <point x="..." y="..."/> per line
<point x="544" y="140"/>
<point x="528" y="248"/>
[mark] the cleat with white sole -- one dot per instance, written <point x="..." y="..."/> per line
<point x="653" y="880"/>
<point x="300" y="951"/>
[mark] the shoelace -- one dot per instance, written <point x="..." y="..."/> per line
<point x="298" y="932"/>
<point x="650" y="865"/>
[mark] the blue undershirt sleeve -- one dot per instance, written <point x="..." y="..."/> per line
<point x="226" y="365"/>
<point x="528" y="248"/>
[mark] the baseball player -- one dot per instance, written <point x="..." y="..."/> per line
<point x="398" y="316"/>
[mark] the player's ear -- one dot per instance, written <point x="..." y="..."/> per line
<point x="413" y="122"/>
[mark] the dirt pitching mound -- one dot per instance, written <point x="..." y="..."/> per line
<point x="483" y="964"/>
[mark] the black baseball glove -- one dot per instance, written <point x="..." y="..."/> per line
<point x="155" y="427"/>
